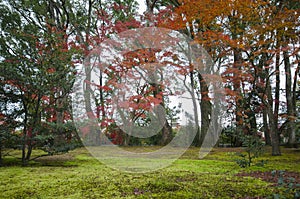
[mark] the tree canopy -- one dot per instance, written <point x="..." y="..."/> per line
<point x="254" y="45"/>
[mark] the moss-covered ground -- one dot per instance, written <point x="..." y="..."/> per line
<point x="78" y="175"/>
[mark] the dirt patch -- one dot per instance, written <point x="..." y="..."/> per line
<point x="55" y="160"/>
<point x="228" y="149"/>
<point x="275" y="177"/>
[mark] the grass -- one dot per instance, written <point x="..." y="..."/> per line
<point x="78" y="175"/>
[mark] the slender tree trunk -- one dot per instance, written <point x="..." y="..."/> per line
<point x="167" y="129"/>
<point x="266" y="127"/>
<point x="93" y="133"/>
<point x="277" y="84"/>
<point x="29" y="151"/>
<point x="295" y="83"/>
<point x="102" y="103"/>
<point x="295" y="94"/>
<point x="205" y="107"/>
<point x="289" y="100"/>
<point x="24" y="137"/>
<point x="166" y="134"/>
<point x="88" y="69"/>
<point x="62" y="104"/>
<point x="275" y="141"/>
<point x="24" y="149"/>
<point x="101" y="114"/>
<point x="237" y="88"/>
<point x="270" y="116"/>
<point x="196" y="116"/>
<point x="251" y="124"/>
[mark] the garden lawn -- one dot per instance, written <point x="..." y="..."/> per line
<point x="78" y="175"/>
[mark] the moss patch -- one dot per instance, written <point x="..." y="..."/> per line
<point x="78" y="175"/>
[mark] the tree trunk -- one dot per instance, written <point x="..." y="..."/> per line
<point x="275" y="141"/>
<point x="29" y="151"/>
<point x="100" y="106"/>
<point x="277" y="84"/>
<point x="166" y="134"/>
<point x="102" y="103"/>
<point x="266" y="127"/>
<point x="166" y="130"/>
<point x="289" y="100"/>
<point x="295" y="94"/>
<point x="24" y="137"/>
<point x="93" y="134"/>
<point x="191" y="91"/>
<point x="61" y="106"/>
<point x="205" y="107"/>
<point x="251" y="125"/>
<point x="126" y="139"/>
<point x="237" y="88"/>
<point x="24" y="152"/>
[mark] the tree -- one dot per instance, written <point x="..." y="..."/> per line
<point x="241" y="37"/>
<point x="113" y="24"/>
<point x="103" y="19"/>
<point x="288" y="36"/>
<point x="37" y="69"/>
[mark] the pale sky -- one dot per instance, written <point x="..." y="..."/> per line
<point x="142" y="6"/>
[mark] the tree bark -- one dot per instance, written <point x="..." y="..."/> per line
<point x="191" y="91"/>
<point x="24" y="137"/>
<point x="275" y="141"/>
<point x="289" y="100"/>
<point x="266" y="127"/>
<point x="237" y="57"/>
<point x="205" y="107"/>
<point x="277" y="84"/>
<point x="166" y="134"/>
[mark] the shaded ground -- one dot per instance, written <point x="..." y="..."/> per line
<point x="278" y="178"/>
<point x="288" y="181"/>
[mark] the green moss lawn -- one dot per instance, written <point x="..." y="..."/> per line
<point x="78" y="175"/>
